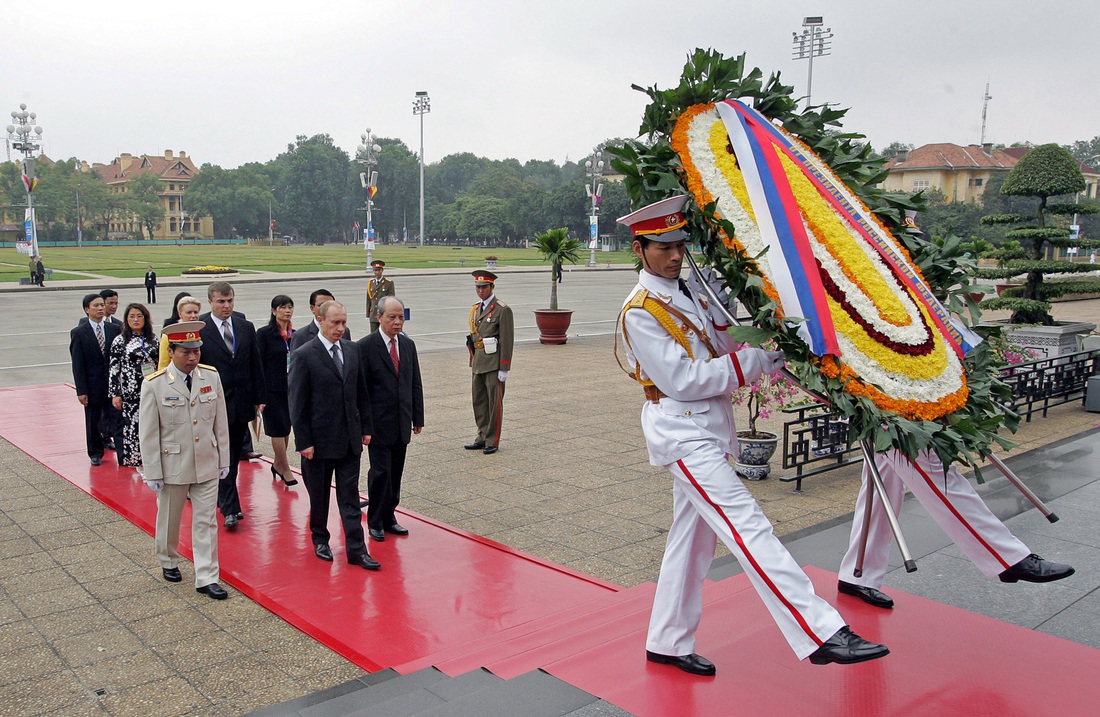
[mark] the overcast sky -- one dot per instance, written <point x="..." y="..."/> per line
<point x="234" y="81"/>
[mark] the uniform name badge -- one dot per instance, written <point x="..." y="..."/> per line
<point x="147" y="367"/>
<point x="490" y="344"/>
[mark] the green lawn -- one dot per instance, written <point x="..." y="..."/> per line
<point x="131" y="261"/>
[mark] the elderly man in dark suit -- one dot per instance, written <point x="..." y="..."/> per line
<point x="310" y="330"/>
<point x="229" y="345"/>
<point x="89" y="346"/>
<point x="392" y="373"/>
<point x="330" y="415"/>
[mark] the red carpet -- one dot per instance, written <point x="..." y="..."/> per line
<point x="455" y="600"/>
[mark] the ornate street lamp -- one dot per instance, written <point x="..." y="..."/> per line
<point x="422" y="106"/>
<point x="367" y="154"/>
<point x="25" y="136"/>
<point x="813" y="42"/>
<point x="593" y="170"/>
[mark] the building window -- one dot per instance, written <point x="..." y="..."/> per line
<point x="976" y="181"/>
<point x="919" y="184"/>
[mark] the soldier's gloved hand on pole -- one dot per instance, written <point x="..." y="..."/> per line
<point x="502" y="375"/>
<point x="155" y="485"/>
<point x="223" y="472"/>
<point x="715" y="282"/>
<point x="756" y="362"/>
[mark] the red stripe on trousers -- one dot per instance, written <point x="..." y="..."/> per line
<point x="752" y="561"/>
<point x="499" y="408"/>
<point x="954" y="512"/>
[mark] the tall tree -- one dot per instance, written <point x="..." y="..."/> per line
<point x="313" y="187"/>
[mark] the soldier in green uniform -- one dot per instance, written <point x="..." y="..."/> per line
<point x="377" y="288"/>
<point x="492" y="332"/>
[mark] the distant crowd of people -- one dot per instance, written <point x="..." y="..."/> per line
<point x="177" y="406"/>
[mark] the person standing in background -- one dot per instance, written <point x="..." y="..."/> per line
<point x="378" y="288"/>
<point x="492" y="334"/>
<point x="151" y="285"/>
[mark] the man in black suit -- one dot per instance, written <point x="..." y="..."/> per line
<point x="330" y="415"/>
<point x="89" y="347"/>
<point x="229" y="345"/>
<point x="310" y="330"/>
<point x="151" y="285"/>
<point x="392" y="373"/>
<point x="110" y="307"/>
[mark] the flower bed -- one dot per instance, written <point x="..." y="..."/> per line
<point x="209" y="270"/>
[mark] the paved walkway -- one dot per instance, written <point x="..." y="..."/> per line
<point x="87" y="626"/>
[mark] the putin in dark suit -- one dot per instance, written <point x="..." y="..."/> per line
<point x="229" y="345"/>
<point x="392" y="373"/>
<point x="330" y="416"/>
<point x="89" y="345"/>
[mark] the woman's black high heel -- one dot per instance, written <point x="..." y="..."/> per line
<point x="276" y="474"/>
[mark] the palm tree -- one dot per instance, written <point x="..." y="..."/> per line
<point x="556" y="247"/>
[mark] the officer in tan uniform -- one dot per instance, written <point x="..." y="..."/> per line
<point x="184" y="435"/>
<point x="377" y="288"/>
<point x="492" y="332"/>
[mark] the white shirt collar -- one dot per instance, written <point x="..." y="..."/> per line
<point x="328" y="344"/>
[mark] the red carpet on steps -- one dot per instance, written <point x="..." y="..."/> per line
<point x="448" y="598"/>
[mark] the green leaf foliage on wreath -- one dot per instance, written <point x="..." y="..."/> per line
<point x="652" y="171"/>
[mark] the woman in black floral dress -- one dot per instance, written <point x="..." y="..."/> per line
<point x="133" y="356"/>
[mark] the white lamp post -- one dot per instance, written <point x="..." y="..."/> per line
<point x="367" y="155"/>
<point x="25" y="136"/>
<point x="593" y="170"/>
<point x="422" y="106"/>
<point x="813" y="42"/>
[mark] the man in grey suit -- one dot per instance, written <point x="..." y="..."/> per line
<point x="392" y="374"/>
<point x="184" y="435"/>
<point x="330" y="415"/>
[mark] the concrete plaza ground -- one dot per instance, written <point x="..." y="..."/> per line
<point x="88" y="627"/>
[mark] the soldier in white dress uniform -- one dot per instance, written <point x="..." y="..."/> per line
<point x="184" y="434"/>
<point x="678" y="349"/>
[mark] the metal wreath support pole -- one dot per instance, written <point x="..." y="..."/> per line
<point x="868" y="450"/>
<point x="1022" y="487"/>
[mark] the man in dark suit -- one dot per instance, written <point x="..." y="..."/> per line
<point x="229" y="345"/>
<point x="151" y="285"/>
<point x="310" y="330"/>
<point x="89" y="346"/>
<point x="330" y="415"/>
<point x="392" y="374"/>
<point x="110" y="307"/>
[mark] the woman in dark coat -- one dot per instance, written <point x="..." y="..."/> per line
<point x="273" y="341"/>
<point x="133" y="356"/>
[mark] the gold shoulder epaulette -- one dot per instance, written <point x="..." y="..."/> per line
<point x="156" y="373"/>
<point x="638" y="299"/>
<point x="209" y="368"/>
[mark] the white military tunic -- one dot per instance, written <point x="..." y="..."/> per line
<point x="691" y="433"/>
<point x="951" y="502"/>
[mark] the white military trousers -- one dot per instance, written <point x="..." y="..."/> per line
<point x="204" y="527"/>
<point x="709" y="501"/>
<point x="953" y="504"/>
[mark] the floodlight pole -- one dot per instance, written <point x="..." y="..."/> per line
<point x="422" y="106"/>
<point x="813" y="42"/>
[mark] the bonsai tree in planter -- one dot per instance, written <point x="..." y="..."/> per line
<point x="555" y="247"/>
<point x="1045" y="172"/>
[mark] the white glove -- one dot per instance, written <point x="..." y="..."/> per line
<point x="717" y="284"/>
<point x="155" y="485"/>
<point x="223" y="472"/>
<point x="502" y="375"/>
<point x="757" y="362"/>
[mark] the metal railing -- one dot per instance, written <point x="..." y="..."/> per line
<point x="1039" y="385"/>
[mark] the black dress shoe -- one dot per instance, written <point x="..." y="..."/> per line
<point x="231" y="521"/>
<point x="845" y="648"/>
<point x="1034" y="569"/>
<point x="866" y="594"/>
<point x="172" y="575"/>
<point x="96" y="461"/>
<point x="397" y="529"/>
<point x="213" y="590"/>
<point x="250" y="455"/>
<point x="323" y="552"/>
<point x="695" y="664"/>
<point x="364" y="503"/>
<point x="376" y="534"/>
<point x="475" y="446"/>
<point x="490" y="450"/>
<point x="365" y="561"/>
<point x="240" y="515"/>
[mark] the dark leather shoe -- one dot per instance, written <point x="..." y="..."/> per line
<point x="490" y="450"/>
<point x="250" y="455"/>
<point x="231" y="521"/>
<point x="397" y="529"/>
<point x="377" y="534"/>
<point x="845" y="648"/>
<point x="365" y="561"/>
<point x="213" y="590"/>
<point x="172" y="575"/>
<point x="364" y="503"/>
<point x="866" y="594"/>
<point x="96" y="461"/>
<point x="1034" y="569"/>
<point x="323" y="552"/>
<point x="475" y="446"/>
<point x="240" y="516"/>
<point x="695" y="664"/>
